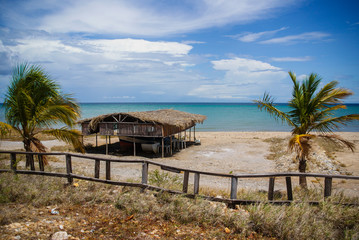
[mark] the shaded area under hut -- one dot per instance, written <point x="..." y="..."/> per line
<point x="160" y="131"/>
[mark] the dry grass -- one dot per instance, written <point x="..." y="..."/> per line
<point x="97" y="211"/>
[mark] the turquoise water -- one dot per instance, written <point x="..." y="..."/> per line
<point x="220" y="116"/>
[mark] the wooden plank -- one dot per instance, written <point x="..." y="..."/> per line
<point x="69" y="168"/>
<point x="170" y="169"/>
<point x="108" y="170"/>
<point x="144" y="173"/>
<point x="234" y="184"/>
<point x="185" y="181"/>
<point x="327" y="187"/>
<point x="97" y="168"/>
<point x="271" y="189"/>
<point x="288" y="182"/>
<point x="13" y="164"/>
<point x="196" y="183"/>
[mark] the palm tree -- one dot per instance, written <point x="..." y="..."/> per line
<point x="33" y="104"/>
<point x="311" y="111"/>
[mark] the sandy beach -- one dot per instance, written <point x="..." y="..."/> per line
<point x="233" y="152"/>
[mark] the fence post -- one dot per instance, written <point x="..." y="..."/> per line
<point x="144" y="173"/>
<point x="30" y="158"/>
<point x="13" y="163"/>
<point x="185" y="182"/>
<point x="41" y="162"/>
<point x="69" y="168"/>
<point x="108" y="170"/>
<point x="271" y="189"/>
<point x="288" y="182"/>
<point x="196" y="183"/>
<point x="234" y="183"/>
<point x="327" y="187"/>
<point x="97" y="168"/>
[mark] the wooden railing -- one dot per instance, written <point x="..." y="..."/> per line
<point x="186" y="173"/>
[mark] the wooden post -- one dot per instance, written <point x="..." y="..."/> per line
<point x="190" y="131"/>
<point x="108" y="170"/>
<point x="327" y="187"/>
<point x="288" y="182"/>
<point x="13" y="163"/>
<point x="171" y="145"/>
<point x="96" y="141"/>
<point x="234" y="183"/>
<point x="185" y="181"/>
<point x="196" y="183"/>
<point x="32" y="164"/>
<point x="144" y="173"/>
<point x="194" y="132"/>
<point x="109" y="139"/>
<point x="271" y="189"/>
<point x="41" y="162"/>
<point x="163" y="147"/>
<point x="97" y="168"/>
<point x="106" y="146"/>
<point x="69" y="169"/>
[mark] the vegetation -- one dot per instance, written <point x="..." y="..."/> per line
<point x="33" y="105"/>
<point x="96" y="211"/>
<point x="312" y="110"/>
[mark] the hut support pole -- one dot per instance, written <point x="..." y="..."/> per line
<point x="194" y="132"/>
<point x="163" y="148"/>
<point x="109" y="139"/>
<point x="190" y="131"/>
<point x="106" y="146"/>
<point x="96" y="141"/>
<point x="171" y="145"/>
<point x="134" y="147"/>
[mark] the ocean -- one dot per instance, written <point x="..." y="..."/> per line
<point x="238" y="117"/>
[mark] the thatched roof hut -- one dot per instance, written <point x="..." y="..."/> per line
<point x="159" y="123"/>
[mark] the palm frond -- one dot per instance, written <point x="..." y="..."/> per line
<point x="5" y="129"/>
<point x="267" y="104"/>
<point x="338" y="141"/>
<point x="299" y="143"/>
<point x="69" y="136"/>
<point x="331" y="123"/>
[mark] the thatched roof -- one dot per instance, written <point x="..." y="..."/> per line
<point x="166" y="117"/>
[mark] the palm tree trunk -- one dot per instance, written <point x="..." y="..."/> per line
<point x="302" y="168"/>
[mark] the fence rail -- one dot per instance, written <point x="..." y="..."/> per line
<point x="186" y="173"/>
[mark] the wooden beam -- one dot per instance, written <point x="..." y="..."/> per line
<point x="234" y="183"/>
<point x="327" y="187"/>
<point x="196" y="183"/>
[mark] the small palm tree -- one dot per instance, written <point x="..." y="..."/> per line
<point x="311" y="111"/>
<point x="33" y="104"/>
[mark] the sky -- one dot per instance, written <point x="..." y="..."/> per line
<point x="181" y="50"/>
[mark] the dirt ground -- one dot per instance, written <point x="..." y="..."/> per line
<point x="224" y="152"/>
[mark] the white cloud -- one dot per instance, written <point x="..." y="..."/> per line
<point x="243" y="79"/>
<point x="304" y="37"/>
<point x="142" y="17"/>
<point x="242" y="64"/>
<point x="292" y="59"/>
<point x="251" y="37"/>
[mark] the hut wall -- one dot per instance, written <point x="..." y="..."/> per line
<point x="85" y="128"/>
<point x="130" y="129"/>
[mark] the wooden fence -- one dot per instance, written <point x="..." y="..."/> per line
<point x="232" y="201"/>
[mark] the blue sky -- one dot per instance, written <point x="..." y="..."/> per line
<point x="181" y="51"/>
